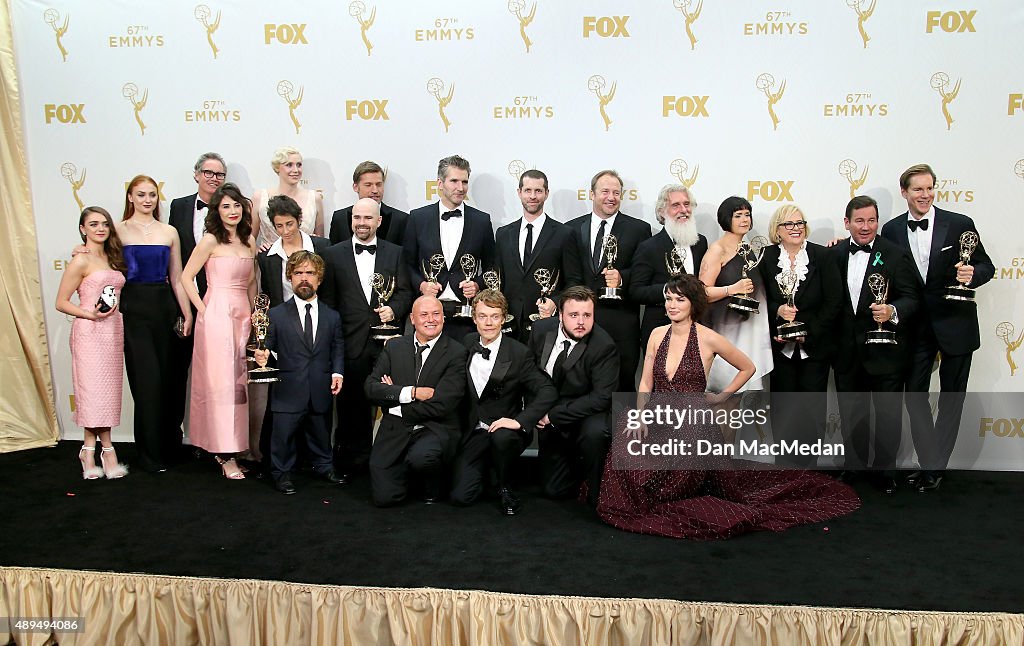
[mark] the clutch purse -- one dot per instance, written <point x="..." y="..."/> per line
<point x="108" y="299"/>
<point x="179" y="327"/>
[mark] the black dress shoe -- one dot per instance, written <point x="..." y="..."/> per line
<point x="929" y="482"/>
<point x="886" y="484"/>
<point x="334" y="477"/>
<point x="508" y="503"/>
<point x="285" y="486"/>
<point x="913" y="478"/>
<point x="431" y="500"/>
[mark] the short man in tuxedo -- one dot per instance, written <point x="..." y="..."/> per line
<point x="583" y="362"/>
<point x="533" y="242"/>
<point x="418" y="381"/>
<point x="506" y="395"/>
<point x="620" y="318"/>
<point x="306" y="336"/>
<point x="368" y="182"/>
<point x="351" y="265"/>
<point x="454" y="229"/>
<point x="872" y="373"/>
<point x="188" y="216"/>
<point x="949" y="327"/>
<point x="674" y="209"/>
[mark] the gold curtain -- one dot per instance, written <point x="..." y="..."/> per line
<point x="28" y="418"/>
<point x="143" y="609"/>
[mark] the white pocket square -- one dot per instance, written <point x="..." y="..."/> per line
<point x="946" y="248"/>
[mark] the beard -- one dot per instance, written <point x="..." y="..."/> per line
<point x="305" y="291"/>
<point x="684" y="234"/>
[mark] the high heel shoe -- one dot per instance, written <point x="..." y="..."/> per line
<point x="93" y="472"/>
<point x="230" y="475"/>
<point x="118" y="470"/>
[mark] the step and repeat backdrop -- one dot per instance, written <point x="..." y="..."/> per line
<point x="803" y="101"/>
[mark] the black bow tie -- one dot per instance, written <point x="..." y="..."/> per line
<point x="854" y="248"/>
<point x="917" y="224"/>
<point x="452" y="214"/>
<point x="200" y="204"/>
<point x="484" y="352"/>
<point x="360" y="248"/>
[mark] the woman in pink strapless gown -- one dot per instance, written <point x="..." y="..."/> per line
<point x="97" y="339"/>
<point x="219" y="410"/>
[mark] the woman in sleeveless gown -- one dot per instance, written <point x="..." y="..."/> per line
<point x="97" y="339"/>
<point x="712" y="497"/>
<point x="287" y="165"/>
<point x="219" y="405"/>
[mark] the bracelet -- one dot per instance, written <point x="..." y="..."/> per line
<point x="414" y="393"/>
<point x="727" y="292"/>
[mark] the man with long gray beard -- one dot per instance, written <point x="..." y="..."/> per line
<point x="674" y="209"/>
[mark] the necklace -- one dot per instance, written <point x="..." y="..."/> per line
<point x="145" y="227"/>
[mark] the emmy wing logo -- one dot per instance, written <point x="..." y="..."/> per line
<point x="1005" y="332"/>
<point x="516" y="168"/>
<point x="597" y="84"/>
<point x="766" y="83"/>
<point x="356" y="10"/>
<point x="52" y="17"/>
<point x="68" y="172"/>
<point x="690" y="16"/>
<point x="1018" y="168"/>
<point x="284" y="90"/>
<point x="435" y="87"/>
<point x="940" y="83"/>
<point x="202" y="14"/>
<point x="679" y="168"/>
<point x="862" y="17"/>
<point x="848" y="169"/>
<point x="516" y="8"/>
<point x="130" y="91"/>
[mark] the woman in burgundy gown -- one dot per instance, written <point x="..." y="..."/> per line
<point x="704" y="497"/>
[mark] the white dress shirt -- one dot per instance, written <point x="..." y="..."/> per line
<point x="538" y="224"/>
<point x="451" y="238"/>
<point x="855" y="273"/>
<point x="364" y="266"/>
<point x="199" y="220"/>
<point x="921" y="242"/>
<point x="480" y="369"/>
<point x="277" y="249"/>
<point x="549" y="367"/>
<point x="595" y="225"/>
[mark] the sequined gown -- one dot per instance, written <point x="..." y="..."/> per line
<point x="714" y="501"/>
<point x="97" y="356"/>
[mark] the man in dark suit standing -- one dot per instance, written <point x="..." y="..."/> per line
<point x="583" y="362"/>
<point x="351" y="267"/>
<point x="506" y="395"/>
<point x="188" y="216"/>
<point x="674" y="209"/>
<point x="620" y="318"/>
<point x="872" y="373"/>
<point x="306" y="335"/>
<point x="368" y="182"/>
<point x="454" y="229"/>
<point x="534" y="242"/>
<point x="418" y="381"/>
<point x="950" y="327"/>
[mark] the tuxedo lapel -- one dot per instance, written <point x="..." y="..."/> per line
<point x="549" y="343"/>
<point x="277" y="289"/>
<point x="321" y="327"/>
<point x="586" y="252"/>
<point x="440" y="344"/>
<point x="538" y="244"/>
<point x="502" y="362"/>
<point x="935" y="264"/>
<point x="292" y="314"/>
<point x="843" y="249"/>
<point x="348" y="259"/>
<point x="574" y="355"/>
<point x="512" y="241"/>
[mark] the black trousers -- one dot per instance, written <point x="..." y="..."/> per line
<point x="397" y="452"/>
<point x="284" y="446"/>
<point x="149" y="312"/>
<point x="479" y="451"/>
<point x="456" y="327"/>
<point x="857" y="392"/>
<point x="354" y="433"/>
<point x="799" y="400"/>
<point x="623" y="325"/>
<point x="934" y="440"/>
<point x="570" y="455"/>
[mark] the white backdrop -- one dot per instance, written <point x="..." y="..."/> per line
<point x="112" y="88"/>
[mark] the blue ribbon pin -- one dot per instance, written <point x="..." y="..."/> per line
<point x="878" y="259"/>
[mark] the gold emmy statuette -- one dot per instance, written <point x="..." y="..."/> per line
<point x="384" y="287"/>
<point x="470" y="267"/>
<point x="260" y="324"/>
<point x="674" y="261"/>
<point x="787" y="285"/>
<point x="492" y="279"/>
<point x="751" y="253"/>
<point x="960" y="292"/>
<point x="880" y="290"/>
<point x="548" y="281"/>
<point x="611" y="252"/>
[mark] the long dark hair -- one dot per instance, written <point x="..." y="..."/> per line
<point x="112" y="245"/>
<point x="129" y="208"/>
<point x="216" y="226"/>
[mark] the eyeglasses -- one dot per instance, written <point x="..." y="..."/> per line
<point x="790" y="226"/>
<point x="209" y="174"/>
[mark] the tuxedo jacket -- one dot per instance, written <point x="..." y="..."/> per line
<point x="517" y="388"/>
<point x="629" y="232"/>
<point x="444" y="370"/>
<point x="817" y="298"/>
<point x="342" y="291"/>
<point x="851" y="328"/>
<point x="552" y="250"/>
<point x="423" y="240"/>
<point x="392" y="224"/>
<point x="305" y="371"/>
<point x="649" y="275"/>
<point x="182" y="211"/>
<point x="591" y="372"/>
<point x="271" y="267"/>
<point x="954" y="323"/>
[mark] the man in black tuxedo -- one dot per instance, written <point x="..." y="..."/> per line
<point x="533" y="242"/>
<point x="418" y="381"/>
<point x="368" y="182"/>
<point x="674" y="209"/>
<point x="454" y="229"/>
<point x="583" y="362"/>
<point x="306" y="335"/>
<point x="188" y="216"/>
<point x="621" y="318"/>
<point x="950" y="327"/>
<point x="351" y="265"/>
<point x="506" y="395"/>
<point x="872" y="373"/>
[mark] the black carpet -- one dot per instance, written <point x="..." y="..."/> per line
<point x="954" y="550"/>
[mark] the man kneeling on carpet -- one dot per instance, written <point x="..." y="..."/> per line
<point x="306" y="335"/>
